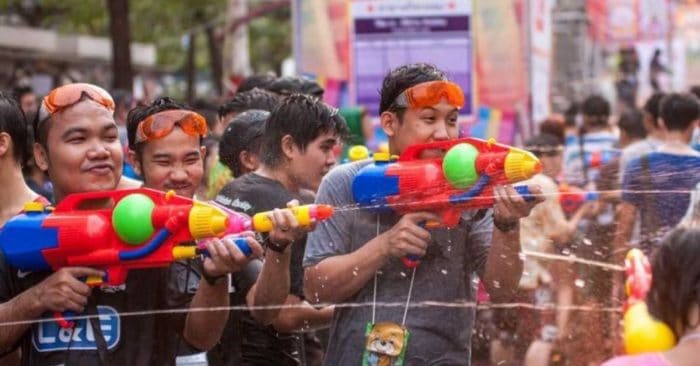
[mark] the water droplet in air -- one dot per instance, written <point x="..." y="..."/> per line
<point x="580" y="283"/>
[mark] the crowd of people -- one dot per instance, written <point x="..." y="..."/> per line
<point x="327" y="294"/>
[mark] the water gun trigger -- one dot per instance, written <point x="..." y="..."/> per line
<point x="94" y="281"/>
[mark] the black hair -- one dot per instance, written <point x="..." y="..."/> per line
<point x="261" y="81"/>
<point x="571" y="113"/>
<point x="596" y="110"/>
<point x="632" y="122"/>
<point x="289" y="85"/>
<point x="304" y="118"/>
<point x="653" y="106"/>
<point x="695" y="90"/>
<point x="13" y="122"/>
<point x="542" y="143"/>
<point x="402" y="78"/>
<point x="243" y="133"/>
<point x="140" y="113"/>
<point x="679" y="110"/>
<point x="252" y="99"/>
<point x="675" y="285"/>
<point x="20" y="91"/>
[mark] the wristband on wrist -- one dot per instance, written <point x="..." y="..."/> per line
<point x="279" y="248"/>
<point x="213" y="280"/>
<point x="505" y="226"/>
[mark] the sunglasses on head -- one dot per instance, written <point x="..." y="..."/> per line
<point x="68" y="95"/>
<point x="430" y="93"/>
<point x="159" y="125"/>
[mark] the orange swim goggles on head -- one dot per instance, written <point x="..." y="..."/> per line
<point x="430" y="93"/>
<point x="67" y="95"/>
<point x="159" y="125"/>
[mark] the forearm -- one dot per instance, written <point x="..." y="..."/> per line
<point x="203" y="328"/>
<point x="301" y="316"/>
<point x="23" y="307"/>
<point x="337" y="278"/>
<point x="503" y="265"/>
<point x="625" y="217"/>
<point x="272" y="286"/>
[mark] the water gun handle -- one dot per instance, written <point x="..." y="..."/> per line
<point x="241" y="243"/>
<point x="524" y="191"/>
<point x="65" y="319"/>
<point x="411" y="261"/>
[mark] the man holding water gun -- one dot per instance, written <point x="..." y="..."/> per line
<point x="77" y="143"/>
<point x="297" y="151"/>
<point x="354" y="256"/>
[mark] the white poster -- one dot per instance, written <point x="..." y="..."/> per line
<point x="540" y="14"/>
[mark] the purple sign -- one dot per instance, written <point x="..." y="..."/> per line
<point x="384" y="42"/>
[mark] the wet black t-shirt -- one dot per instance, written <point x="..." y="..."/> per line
<point x="130" y="337"/>
<point x="245" y="341"/>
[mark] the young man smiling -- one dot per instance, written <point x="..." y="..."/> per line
<point x="77" y="143"/>
<point x="354" y="256"/>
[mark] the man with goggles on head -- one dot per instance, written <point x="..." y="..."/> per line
<point x="418" y="105"/>
<point x="77" y="142"/>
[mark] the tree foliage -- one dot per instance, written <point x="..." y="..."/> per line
<point x="163" y="23"/>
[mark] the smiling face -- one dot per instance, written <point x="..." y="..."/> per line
<point x="84" y="153"/>
<point x="174" y="162"/>
<point x="421" y="125"/>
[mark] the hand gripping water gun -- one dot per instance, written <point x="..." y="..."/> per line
<point x="571" y="197"/>
<point x="144" y="228"/>
<point x="463" y="179"/>
<point x="306" y="215"/>
<point x="642" y="332"/>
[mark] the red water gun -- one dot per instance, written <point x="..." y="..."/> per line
<point x="461" y="179"/>
<point x="142" y="228"/>
<point x="642" y="332"/>
<point x="572" y="198"/>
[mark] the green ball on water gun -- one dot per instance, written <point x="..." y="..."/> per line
<point x="458" y="164"/>
<point x="131" y="219"/>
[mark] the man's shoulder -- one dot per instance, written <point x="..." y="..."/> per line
<point x="253" y="193"/>
<point x="348" y="170"/>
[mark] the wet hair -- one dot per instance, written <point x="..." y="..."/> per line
<point x="596" y="110"/>
<point x="261" y="81"/>
<point x="289" y="85"/>
<point x="244" y="133"/>
<point x="253" y="99"/>
<point x="679" y="110"/>
<point x="632" y="123"/>
<point x="402" y="78"/>
<point x="675" y="286"/>
<point x="653" y="106"/>
<point x="543" y="143"/>
<point x="13" y="122"/>
<point x="304" y="118"/>
<point x="140" y="113"/>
